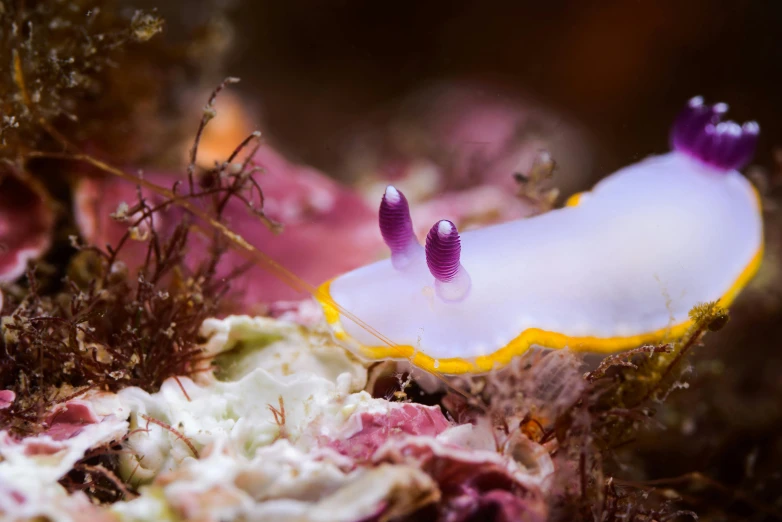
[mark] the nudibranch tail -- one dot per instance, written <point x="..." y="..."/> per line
<point x="396" y="227"/>
<point x="700" y="132"/>
<point x="443" y="253"/>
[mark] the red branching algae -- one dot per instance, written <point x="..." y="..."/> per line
<point x="316" y="213"/>
<point x="111" y="327"/>
<point x="170" y="429"/>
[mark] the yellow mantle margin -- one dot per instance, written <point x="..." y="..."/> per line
<point x="527" y="338"/>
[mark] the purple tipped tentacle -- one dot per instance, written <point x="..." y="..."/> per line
<point x="443" y="250"/>
<point x="693" y="118"/>
<point x="700" y="132"/>
<point x="396" y="226"/>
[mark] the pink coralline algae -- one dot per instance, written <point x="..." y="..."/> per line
<point x="474" y="483"/>
<point x="63" y="425"/>
<point x="7" y="398"/>
<point x="26" y="221"/>
<point x="471" y="488"/>
<point x="65" y="421"/>
<point x="366" y="432"/>
<point x="327" y="228"/>
<point x="68" y="419"/>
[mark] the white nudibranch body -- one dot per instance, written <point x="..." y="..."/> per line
<point x="618" y="267"/>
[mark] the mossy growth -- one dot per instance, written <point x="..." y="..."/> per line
<point x="63" y="63"/>
<point x="96" y="75"/>
<point x="584" y="419"/>
<point x="622" y="397"/>
<point x="110" y="327"/>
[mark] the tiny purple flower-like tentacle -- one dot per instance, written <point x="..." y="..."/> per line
<point x="396" y="226"/>
<point x="700" y="133"/>
<point x="443" y="253"/>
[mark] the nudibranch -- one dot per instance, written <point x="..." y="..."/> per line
<point x="617" y="267"/>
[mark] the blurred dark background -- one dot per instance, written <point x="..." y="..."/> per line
<point x="321" y="69"/>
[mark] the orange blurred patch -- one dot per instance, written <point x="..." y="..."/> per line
<point x="232" y="123"/>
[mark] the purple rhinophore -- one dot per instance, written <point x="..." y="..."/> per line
<point x="396" y="226"/>
<point x="700" y="132"/>
<point x="443" y="249"/>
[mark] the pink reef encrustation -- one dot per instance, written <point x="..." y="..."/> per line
<point x="315" y="213"/>
<point x="26" y="222"/>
